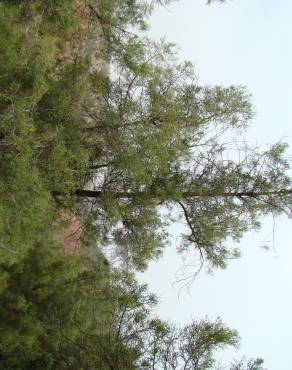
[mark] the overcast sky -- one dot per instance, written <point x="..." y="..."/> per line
<point x="242" y="42"/>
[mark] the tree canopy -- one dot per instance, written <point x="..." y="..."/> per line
<point x="161" y="144"/>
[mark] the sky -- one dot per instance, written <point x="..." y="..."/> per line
<point x="242" y="42"/>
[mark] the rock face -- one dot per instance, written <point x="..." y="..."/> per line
<point x="89" y="42"/>
<point x="70" y="237"/>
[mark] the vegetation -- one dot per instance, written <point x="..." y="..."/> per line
<point x="153" y="141"/>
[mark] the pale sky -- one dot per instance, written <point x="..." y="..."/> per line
<point x="242" y="42"/>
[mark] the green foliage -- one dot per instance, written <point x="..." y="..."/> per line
<point x="26" y="211"/>
<point x="252" y="364"/>
<point x="40" y="148"/>
<point x="62" y="152"/>
<point x="151" y="136"/>
<point x="57" y="313"/>
<point x="143" y="136"/>
<point x="161" y="144"/>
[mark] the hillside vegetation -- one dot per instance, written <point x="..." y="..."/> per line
<point x="122" y="154"/>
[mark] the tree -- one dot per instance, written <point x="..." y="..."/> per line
<point x="162" y="345"/>
<point x="53" y="310"/>
<point x="189" y="347"/>
<point x="161" y="142"/>
<point x="252" y="364"/>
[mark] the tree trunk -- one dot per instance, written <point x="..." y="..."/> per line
<point x="187" y="194"/>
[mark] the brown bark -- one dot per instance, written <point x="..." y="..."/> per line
<point x="187" y="194"/>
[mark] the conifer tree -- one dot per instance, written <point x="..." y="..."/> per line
<point x="162" y="141"/>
